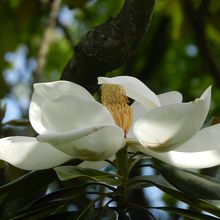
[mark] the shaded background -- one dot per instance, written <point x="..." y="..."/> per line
<point x="181" y="50"/>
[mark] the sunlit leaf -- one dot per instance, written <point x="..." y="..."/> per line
<point x="139" y="182"/>
<point x="71" y="172"/>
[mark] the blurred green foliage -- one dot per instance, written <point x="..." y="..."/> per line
<point x="169" y="58"/>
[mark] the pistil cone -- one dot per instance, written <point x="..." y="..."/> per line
<point x="114" y="98"/>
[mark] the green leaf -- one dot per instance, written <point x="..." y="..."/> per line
<point x="71" y="172"/>
<point x="139" y="182"/>
<point x="61" y="194"/>
<point x="199" y="204"/>
<point x="41" y="208"/>
<point x="27" y="184"/>
<point x="63" y="215"/>
<point x="106" y="213"/>
<point x="20" y="122"/>
<point x="36" y="213"/>
<point x="158" y="181"/>
<point x="192" y="184"/>
<point x="187" y="213"/>
<point x="182" y="212"/>
<point x="88" y="212"/>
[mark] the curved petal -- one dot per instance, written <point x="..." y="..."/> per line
<point x="206" y="139"/>
<point x="56" y="89"/>
<point x="68" y="113"/>
<point x="139" y="111"/>
<point x="169" y="98"/>
<point x="29" y="154"/>
<point x="51" y="91"/>
<point x="100" y="144"/>
<point x="68" y="136"/>
<point x="167" y="127"/>
<point x="195" y="160"/>
<point x="201" y="151"/>
<point x="134" y="89"/>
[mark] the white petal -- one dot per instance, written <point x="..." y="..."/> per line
<point x="139" y="111"/>
<point x="206" y="139"/>
<point x="134" y="89"/>
<point x="51" y="91"/>
<point x="169" y="98"/>
<point x="68" y="113"/>
<point x="167" y="127"/>
<point x="100" y="144"/>
<point x="54" y="90"/>
<point x="28" y="154"/>
<point x="68" y="136"/>
<point x="201" y="151"/>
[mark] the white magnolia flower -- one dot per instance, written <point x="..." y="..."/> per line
<point x="168" y="129"/>
<point x="72" y="124"/>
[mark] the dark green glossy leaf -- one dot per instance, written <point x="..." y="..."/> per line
<point x="2" y="197"/>
<point x="62" y="215"/>
<point x="59" y="194"/>
<point x="159" y="182"/>
<point x="88" y="212"/>
<point x="106" y="213"/>
<point x="70" y="172"/>
<point x="193" y="184"/>
<point x="187" y="213"/>
<point x="139" y="182"/>
<point x="46" y="208"/>
<point x="197" y="203"/>
<point x="27" y="184"/>
<point x="37" y="213"/>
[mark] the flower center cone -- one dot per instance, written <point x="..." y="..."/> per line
<point x="114" y="98"/>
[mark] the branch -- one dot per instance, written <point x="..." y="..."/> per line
<point x="198" y="20"/>
<point x="110" y="45"/>
<point x="46" y="39"/>
<point x="66" y="32"/>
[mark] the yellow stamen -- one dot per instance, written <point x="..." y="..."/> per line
<point x="114" y="98"/>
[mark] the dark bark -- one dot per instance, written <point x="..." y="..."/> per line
<point x="109" y="45"/>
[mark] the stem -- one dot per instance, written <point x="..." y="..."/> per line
<point x="123" y="170"/>
<point x="122" y="162"/>
<point x="132" y="141"/>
